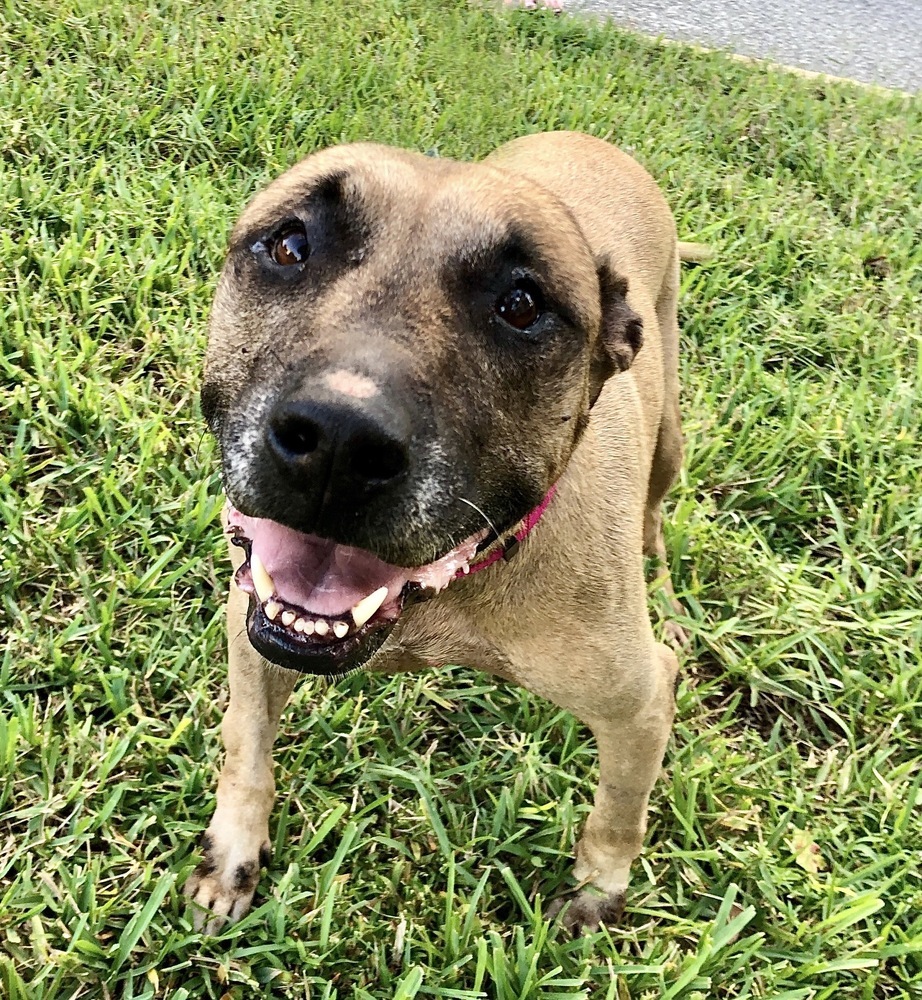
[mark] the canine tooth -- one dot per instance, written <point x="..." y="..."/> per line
<point x="321" y="627"/>
<point x="368" y="606"/>
<point x="288" y="617"/>
<point x="340" y="629"/>
<point x="272" y="609"/>
<point x="299" y="625"/>
<point x="262" y="582"/>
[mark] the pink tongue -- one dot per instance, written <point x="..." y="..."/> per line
<point x="320" y="576"/>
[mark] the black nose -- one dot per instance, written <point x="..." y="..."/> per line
<point x="335" y="447"/>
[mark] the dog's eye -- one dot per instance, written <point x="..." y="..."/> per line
<point x="289" y="247"/>
<point x="521" y="305"/>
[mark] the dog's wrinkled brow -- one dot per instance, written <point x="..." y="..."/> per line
<point x="492" y="246"/>
<point x="290" y="200"/>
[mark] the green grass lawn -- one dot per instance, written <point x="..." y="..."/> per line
<point x="424" y="822"/>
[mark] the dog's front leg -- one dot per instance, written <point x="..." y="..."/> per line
<point x="236" y="844"/>
<point x="631" y="750"/>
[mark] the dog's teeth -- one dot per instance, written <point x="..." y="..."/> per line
<point x="308" y="626"/>
<point x="321" y="627"/>
<point x="340" y="629"/>
<point x="262" y="582"/>
<point x="368" y="606"/>
<point x="299" y="625"/>
<point x="288" y="617"/>
<point x="272" y="609"/>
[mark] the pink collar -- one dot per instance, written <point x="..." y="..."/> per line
<point x="506" y="547"/>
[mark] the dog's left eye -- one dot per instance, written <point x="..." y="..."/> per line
<point x="289" y="247"/>
<point x="521" y="305"/>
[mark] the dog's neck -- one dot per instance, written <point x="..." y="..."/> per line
<point x="506" y="545"/>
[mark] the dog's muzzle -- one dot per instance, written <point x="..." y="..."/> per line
<point x="323" y="608"/>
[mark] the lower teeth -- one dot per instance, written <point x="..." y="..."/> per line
<point x="303" y="626"/>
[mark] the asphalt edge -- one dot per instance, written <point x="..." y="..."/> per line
<point x="759" y="61"/>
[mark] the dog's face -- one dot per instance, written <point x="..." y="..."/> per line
<point x="403" y="351"/>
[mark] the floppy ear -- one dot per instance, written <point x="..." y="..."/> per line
<point x="621" y="333"/>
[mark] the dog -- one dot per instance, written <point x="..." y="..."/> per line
<point x="446" y="400"/>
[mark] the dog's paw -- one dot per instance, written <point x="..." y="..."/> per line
<point x="586" y="911"/>
<point x="222" y="886"/>
<point x="676" y="636"/>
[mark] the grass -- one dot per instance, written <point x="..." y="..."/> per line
<point x="426" y="820"/>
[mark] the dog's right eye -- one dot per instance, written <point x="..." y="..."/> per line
<point x="521" y="305"/>
<point x="289" y="247"/>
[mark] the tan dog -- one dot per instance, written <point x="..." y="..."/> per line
<point x="412" y="362"/>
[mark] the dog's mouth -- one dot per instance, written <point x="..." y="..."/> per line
<point x="324" y="608"/>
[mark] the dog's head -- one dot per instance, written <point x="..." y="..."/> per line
<point x="402" y="349"/>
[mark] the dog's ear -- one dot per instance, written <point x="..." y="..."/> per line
<point x="621" y="333"/>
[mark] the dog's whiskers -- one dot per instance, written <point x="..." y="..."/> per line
<point x="198" y="446"/>
<point x="286" y="365"/>
<point x="490" y="524"/>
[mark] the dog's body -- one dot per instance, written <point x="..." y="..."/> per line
<point x="573" y="219"/>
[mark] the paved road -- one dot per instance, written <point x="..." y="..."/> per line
<point x="875" y="41"/>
